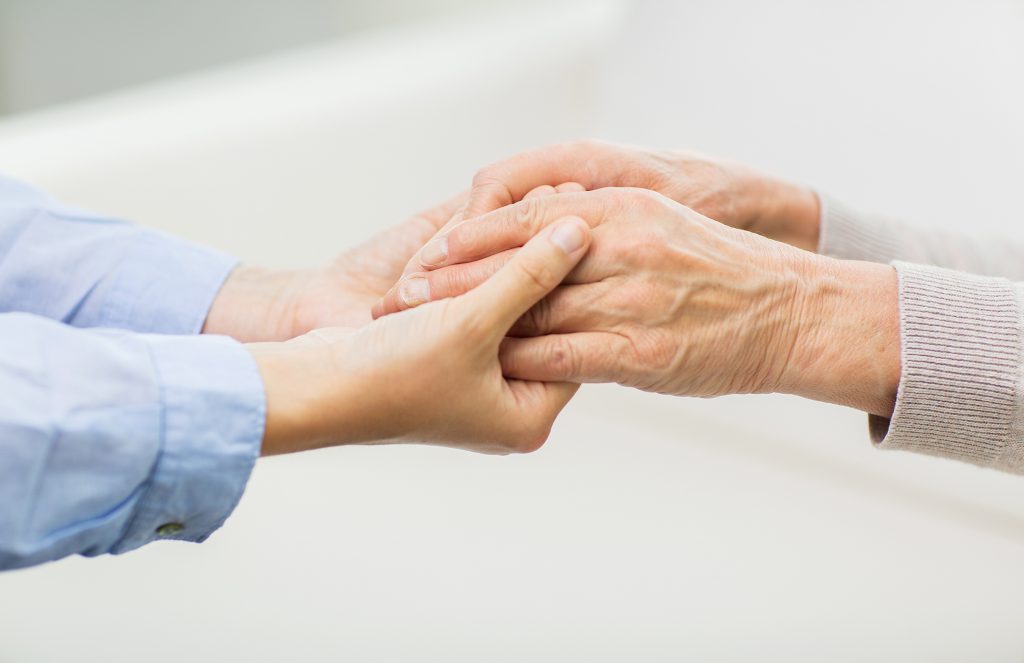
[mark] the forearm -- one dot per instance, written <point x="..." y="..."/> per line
<point x="847" y="347"/>
<point x="110" y="440"/>
<point x="318" y="395"/>
<point x="933" y="355"/>
<point x="92" y="271"/>
<point x="294" y="381"/>
<point x="256" y="304"/>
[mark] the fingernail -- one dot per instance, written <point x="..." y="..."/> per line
<point x="414" y="291"/>
<point x="568" y="237"/>
<point x="434" y="253"/>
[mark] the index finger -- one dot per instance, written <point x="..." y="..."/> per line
<point x="530" y="275"/>
<point x="511" y="226"/>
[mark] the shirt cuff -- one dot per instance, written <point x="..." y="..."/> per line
<point x="960" y="385"/>
<point x="214" y="412"/>
<point x="848" y="235"/>
<point x="165" y="285"/>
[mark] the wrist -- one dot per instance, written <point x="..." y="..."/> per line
<point x="847" y="342"/>
<point x="291" y="386"/>
<point x="313" y="400"/>
<point x="320" y="392"/>
<point x="256" y="304"/>
<point x="785" y="212"/>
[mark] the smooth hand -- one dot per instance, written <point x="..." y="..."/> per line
<point x="430" y="375"/>
<point x="670" y="301"/>
<point x="257" y="304"/>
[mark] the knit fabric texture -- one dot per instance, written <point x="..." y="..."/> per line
<point x="960" y="340"/>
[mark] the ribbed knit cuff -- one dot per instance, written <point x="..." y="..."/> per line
<point x="848" y="235"/>
<point x="959" y="393"/>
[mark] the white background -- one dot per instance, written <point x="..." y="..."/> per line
<point x="649" y="528"/>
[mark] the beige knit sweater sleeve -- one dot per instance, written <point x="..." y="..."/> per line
<point x="961" y="392"/>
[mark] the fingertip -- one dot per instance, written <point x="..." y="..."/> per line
<point x="412" y="291"/>
<point x="393" y="300"/>
<point x="571" y="234"/>
<point x="570" y="187"/>
<point x="388" y="304"/>
<point x="540" y="192"/>
<point x="434" y="253"/>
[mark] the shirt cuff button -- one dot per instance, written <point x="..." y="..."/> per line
<point x="170" y="529"/>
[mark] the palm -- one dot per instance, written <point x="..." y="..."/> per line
<point x="342" y="293"/>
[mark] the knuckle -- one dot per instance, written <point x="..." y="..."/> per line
<point x="644" y="200"/>
<point x="650" y="352"/>
<point x="562" y="359"/>
<point x="485" y="176"/>
<point x="539" y="276"/>
<point x="527" y="215"/>
<point x="491" y="179"/>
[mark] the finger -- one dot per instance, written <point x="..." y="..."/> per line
<point x="422" y="287"/>
<point x="568" y="308"/>
<point x="591" y="163"/>
<point x="570" y="187"/>
<point x="513" y="226"/>
<point x="531" y="274"/>
<point x="599" y="265"/>
<point x="548" y="190"/>
<point x="581" y="357"/>
<point x="540" y="192"/>
<point x="445" y="216"/>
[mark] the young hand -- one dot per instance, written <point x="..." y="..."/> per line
<point x="429" y="375"/>
<point x="257" y="304"/>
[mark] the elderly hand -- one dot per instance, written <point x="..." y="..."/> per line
<point x="431" y="375"/>
<point x="670" y="301"/>
<point x="257" y="304"/>
<point x="722" y="190"/>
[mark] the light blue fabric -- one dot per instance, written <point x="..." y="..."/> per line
<point x="108" y="435"/>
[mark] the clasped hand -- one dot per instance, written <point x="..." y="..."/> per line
<point x="585" y="262"/>
<point x="667" y="299"/>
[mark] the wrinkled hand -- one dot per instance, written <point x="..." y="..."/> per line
<point x="257" y="304"/>
<point x="670" y="301"/>
<point x="725" y="191"/>
<point x="431" y="375"/>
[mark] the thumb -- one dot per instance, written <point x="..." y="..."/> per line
<point x="534" y="272"/>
